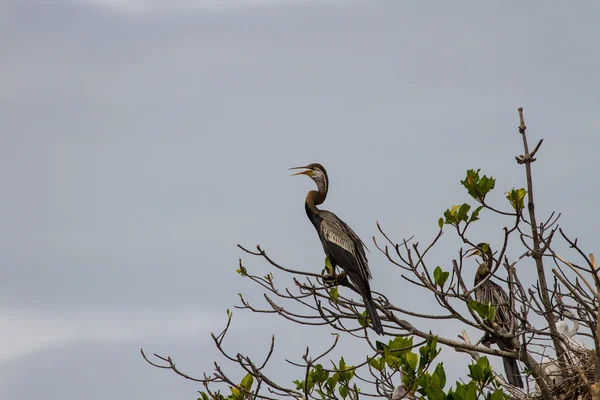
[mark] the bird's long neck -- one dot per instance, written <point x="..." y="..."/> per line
<point x="571" y="332"/>
<point x="484" y="269"/>
<point x="481" y="273"/>
<point x="313" y="199"/>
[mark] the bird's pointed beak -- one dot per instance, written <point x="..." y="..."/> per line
<point x="306" y="172"/>
<point x="474" y="252"/>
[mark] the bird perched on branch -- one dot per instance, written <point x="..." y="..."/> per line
<point x="491" y="293"/>
<point x="401" y="392"/>
<point x="573" y="350"/>
<point x="563" y="328"/>
<point x="342" y="246"/>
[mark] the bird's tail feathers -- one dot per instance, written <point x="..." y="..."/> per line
<point x="372" y="313"/>
<point x="364" y="290"/>
<point x="511" y="368"/>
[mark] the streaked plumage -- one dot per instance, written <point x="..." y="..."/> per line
<point x="342" y="246"/>
<point x="491" y="293"/>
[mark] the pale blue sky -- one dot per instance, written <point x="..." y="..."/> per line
<point x="141" y="140"/>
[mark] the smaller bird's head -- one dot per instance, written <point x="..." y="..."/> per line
<point x="482" y="249"/>
<point x="317" y="173"/>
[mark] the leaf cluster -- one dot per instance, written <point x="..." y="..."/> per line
<point x="478" y="186"/>
<point x="486" y="311"/>
<point x="327" y="382"/>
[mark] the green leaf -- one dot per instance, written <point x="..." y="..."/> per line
<point x="363" y="321"/>
<point x="318" y="374"/>
<point x="428" y="353"/>
<point x="435" y="393"/>
<point x="332" y="382"/>
<point x="445" y="277"/>
<point x="479" y="308"/>
<point x="491" y="313"/>
<point x="485" y="185"/>
<point x="334" y="293"/>
<point x="380" y="345"/>
<point x="434" y="380"/>
<point x="450" y="215"/>
<point x="236" y="393"/>
<point x="441" y="374"/>
<point x="485" y="247"/>
<point x="437" y="275"/>
<point x="204" y="396"/>
<point x="423" y="381"/>
<point x="461" y="390"/>
<point x="485" y="311"/>
<point x="478" y="186"/>
<point x="412" y="360"/>
<point x="440" y="276"/>
<point x="498" y="395"/>
<point x="424" y="351"/>
<point x="486" y="369"/>
<point x="516" y="198"/>
<point x="441" y="222"/>
<point x="476" y="372"/>
<point x="242" y="271"/>
<point x="461" y="215"/>
<point x="471" y="393"/>
<point x="470" y="182"/>
<point x="391" y="360"/>
<point x="374" y="362"/>
<point x="399" y="342"/>
<point x="247" y="382"/>
<point x="343" y="391"/>
<point x="328" y="265"/>
<point x="309" y="384"/>
<point x="432" y="347"/>
<point x="457" y="214"/>
<point x="475" y="214"/>
<point x="345" y="372"/>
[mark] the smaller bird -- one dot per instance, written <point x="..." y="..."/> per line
<point x="573" y="350"/>
<point x="563" y="328"/>
<point x="401" y="392"/>
<point x="491" y="293"/>
<point x="342" y="246"/>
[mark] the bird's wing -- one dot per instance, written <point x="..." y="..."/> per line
<point x="491" y="293"/>
<point x="344" y="245"/>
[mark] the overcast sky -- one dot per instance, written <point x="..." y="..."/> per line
<point x="141" y="140"/>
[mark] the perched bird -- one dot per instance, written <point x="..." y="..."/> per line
<point x="491" y="293"/>
<point x="401" y="392"/>
<point x="563" y="328"/>
<point x="573" y="350"/>
<point x="342" y="246"/>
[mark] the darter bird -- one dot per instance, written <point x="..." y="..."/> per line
<point x="342" y="246"/>
<point x="491" y="293"/>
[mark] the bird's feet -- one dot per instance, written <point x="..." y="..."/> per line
<point x="335" y="279"/>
